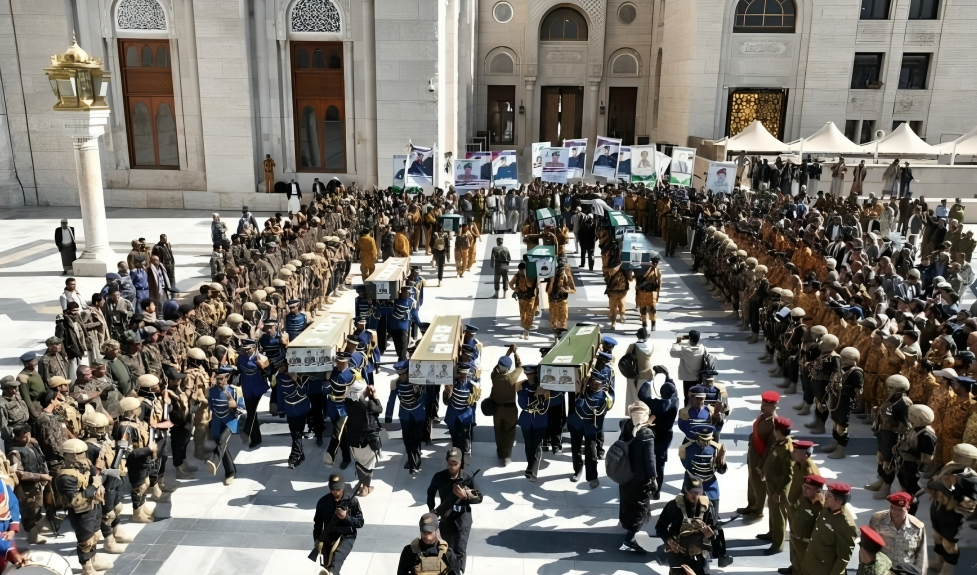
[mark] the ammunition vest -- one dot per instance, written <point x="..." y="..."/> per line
<point x="136" y="432"/>
<point x="32" y="461"/>
<point x="690" y="536"/>
<point x="78" y="502"/>
<point x="71" y="417"/>
<point x="908" y="445"/>
<point x="430" y="564"/>
<point x="106" y="453"/>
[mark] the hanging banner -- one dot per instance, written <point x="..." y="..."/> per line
<point x="605" y="157"/>
<point x="644" y="168"/>
<point x="683" y="162"/>
<point x="420" y="171"/>
<point x="504" y="170"/>
<point x="537" y="156"/>
<point x="719" y="177"/>
<point x="577" y="158"/>
<point x="662" y="162"/>
<point x="624" y="165"/>
<point x="555" y="165"/>
<point x="400" y="170"/>
<point x="486" y="170"/>
<point x="468" y="175"/>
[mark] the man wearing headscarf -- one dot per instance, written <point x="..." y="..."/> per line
<point x="634" y="508"/>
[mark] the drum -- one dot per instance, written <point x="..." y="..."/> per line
<point x="44" y="563"/>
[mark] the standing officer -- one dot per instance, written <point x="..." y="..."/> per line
<point x="399" y="321"/>
<point x="845" y="401"/>
<point x="833" y="538"/>
<point x="502" y="398"/>
<point x="760" y="440"/>
<point x="13" y="410"/>
<point x="79" y="489"/>
<point x="137" y="434"/>
<point x="28" y="465"/>
<point x="584" y="422"/>
<point x="456" y="485"/>
<point x="533" y="404"/>
<point x="412" y="411"/>
<point x="803" y="512"/>
<point x="460" y="398"/>
<point x="915" y="450"/>
<point x="31" y="385"/>
<point x="295" y="320"/>
<point x="891" y="420"/>
<point x="777" y="468"/>
<point x="337" y="517"/>
<point x="102" y="454"/>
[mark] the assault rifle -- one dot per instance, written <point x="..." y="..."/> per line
<point x="343" y="503"/>
<point x="443" y="511"/>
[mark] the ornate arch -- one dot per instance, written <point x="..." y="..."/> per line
<point x="318" y="19"/>
<point x="487" y="64"/>
<point x="595" y="12"/>
<point x="139" y="15"/>
<point x="625" y="52"/>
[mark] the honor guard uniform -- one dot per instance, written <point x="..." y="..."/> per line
<point x="338" y="385"/>
<point x="717" y="399"/>
<point x="457" y="486"/>
<point x="833" y="538"/>
<point x="776" y="468"/>
<point x="915" y="450"/>
<point x="411" y="414"/>
<point x="533" y="405"/>
<point x="223" y="402"/>
<point x="399" y="321"/>
<point x="103" y="455"/>
<point x="461" y="398"/>
<point x="417" y="292"/>
<point x="139" y="461"/>
<point x="272" y="345"/>
<point x="428" y="554"/>
<point x="842" y="401"/>
<point x="803" y="512"/>
<point x="79" y="489"/>
<point x="891" y="420"/>
<point x="292" y="395"/>
<point x="873" y="561"/>
<point x="585" y="422"/>
<point x="703" y="458"/>
<point x="469" y="339"/>
<point x="253" y="388"/>
<point x="760" y="438"/>
<point x="687" y="526"/>
<point x="696" y="413"/>
<point x="337" y="518"/>
<point x="295" y="320"/>
<point x="603" y="365"/>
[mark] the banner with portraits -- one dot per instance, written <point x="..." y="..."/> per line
<point x="400" y="172"/>
<point x="537" y="158"/>
<point x="683" y="163"/>
<point x="624" y="165"/>
<point x="468" y="175"/>
<point x="644" y="168"/>
<point x="555" y="165"/>
<point x="505" y="171"/>
<point x="605" y="157"/>
<point x="420" y="169"/>
<point x="576" y="158"/>
<point x="721" y="177"/>
<point x="486" y="169"/>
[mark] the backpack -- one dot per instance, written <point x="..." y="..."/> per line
<point x="587" y="223"/>
<point x="439" y="243"/>
<point x="628" y="365"/>
<point x="708" y="363"/>
<point x="617" y="463"/>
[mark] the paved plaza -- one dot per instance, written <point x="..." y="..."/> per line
<point x="263" y="522"/>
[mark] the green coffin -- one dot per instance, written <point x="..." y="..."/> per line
<point x="568" y="363"/>
<point x="547" y="217"/>
<point x="636" y="251"/>
<point x="620" y="223"/>
<point x="540" y="262"/>
<point x="451" y="222"/>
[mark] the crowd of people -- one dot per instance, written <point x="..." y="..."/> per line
<point x="856" y="321"/>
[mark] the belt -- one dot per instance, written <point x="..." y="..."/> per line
<point x="803" y="539"/>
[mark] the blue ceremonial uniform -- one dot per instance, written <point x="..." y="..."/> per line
<point x="412" y="416"/>
<point x="534" y="422"/>
<point x="398" y="325"/>
<point x="140" y="281"/>
<point x="585" y="423"/>
<point x="272" y="347"/>
<point x="690" y="416"/>
<point x="703" y="462"/>
<point x="315" y="387"/>
<point x="295" y="324"/>
<point x="339" y="382"/>
<point x="556" y="417"/>
<point x="253" y="387"/>
<point x="223" y="424"/>
<point x="460" y="416"/>
<point x="293" y="399"/>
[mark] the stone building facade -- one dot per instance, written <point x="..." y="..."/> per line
<point x="203" y="90"/>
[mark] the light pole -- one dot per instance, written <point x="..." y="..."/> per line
<point x="80" y="85"/>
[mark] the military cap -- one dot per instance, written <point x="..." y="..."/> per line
<point x="966" y="355"/>
<point x="112" y="276"/>
<point x="337" y="482"/>
<point x="693" y="485"/>
<point x="604" y="355"/>
<point x="816" y="481"/>
<point x="871" y="540"/>
<point x="468" y="348"/>
<point x="359" y="320"/>
<point x="429" y="523"/>
<point x="454" y="454"/>
<point x="470" y="328"/>
<point x="598" y="376"/>
<point x="697" y="391"/>
<point x="342" y="356"/>
<point x="293" y="302"/>
<point x="56" y="381"/>
<point x="530" y="369"/>
<point x="199" y="299"/>
<point x="770" y="397"/>
<point x="401" y="366"/>
<point x="900" y="499"/>
<point x="703" y="430"/>
<point x="225" y="370"/>
<point x="53" y="340"/>
<point x="360" y="289"/>
<point x="9" y="381"/>
<point x="28" y="357"/>
<point x="149" y="330"/>
<point x="196" y="353"/>
<point x="74" y="446"/>
<point x="782" y="424"/>
<point x="245" y="343"/>
<point x="164" y="324"/>
<point x="463" y="367"/>
<point x="965" y="382"/>
<point x="869" y="322"/>
<point x="608" y="340"/>
<point x="173" y="374"/>
<point x="129" y="403"/>
<point x="805" y="445"/>
<point x="948" y="373"/>
<point x="206" y="341"/>
<point x="146" y="381"/>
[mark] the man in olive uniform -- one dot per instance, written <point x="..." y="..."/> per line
<point x="505" y="376"/>
<point x="871" y="560"/>
<point x="102" y="454"/>
<point x="833" y="538"/>
<point x="31" y="385"/>
<point x="760" y="440"/>
<point x="53" y="362"/>
<point x="269" y="167"/>
<point x="79" y="489"/>
<point x="803" y="512"/>
<point x="13" y="410"/>
<point x="777" y="468"/>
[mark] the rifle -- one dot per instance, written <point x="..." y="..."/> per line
<point x="445" y="508"/>
<point x="343" y="504"/>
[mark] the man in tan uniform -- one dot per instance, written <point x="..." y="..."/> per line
<point x="269" y="165"/>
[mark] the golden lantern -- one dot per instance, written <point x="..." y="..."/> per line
<point x="78" y="80"/>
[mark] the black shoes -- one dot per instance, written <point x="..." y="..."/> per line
<point x="633" y="546"/>
<point x="344" y="464"/>
<point x="764" y="537"/>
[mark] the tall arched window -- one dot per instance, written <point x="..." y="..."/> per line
<point x="765" y="17"/>
<point x="563" y="24"/>
<point x="320" y="106"/>
<point x="147" y="88"/>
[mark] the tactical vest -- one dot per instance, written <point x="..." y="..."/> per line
<point x="106" y="452"/>
<point x="71" y="417"/>
<point x="690" y="533"/>
<point x="884" y="420"/>
<point x="16" y="410"/>
<point x="78" y="502"/>
<point x="135" y="432"/>
<point x="908" y="445"/>
<point x="31" y="460"/>
<point x="430" y="564"/>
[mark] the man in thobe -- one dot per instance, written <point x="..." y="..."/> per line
<point x="64" y="238"/>
<point x="164" y="251"/>
<point x="71" y="295"/>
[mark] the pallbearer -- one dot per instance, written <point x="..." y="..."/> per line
<point x="534" y="404"/>
<point x="411" y="414"/>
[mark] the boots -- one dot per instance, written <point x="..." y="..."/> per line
<point x="883" y="491"/>
<point x="753" y="337"/>
<point x="212" y="464"/>
<point x="190" y="468"/>
<point x="110" y="545"/>
<point x="876" y="485"/>
<point x="34" y="537"/>
<point x="779" y="372"/>
<point x="937" y="562"/>
<point x="525" y="334"/>
<point x="816" y="426"/>
<point x="101" y="563"/>
<point x="143" y="513"/>
<point x="88" y="568"/>
<point x="496" y="294"/>
<point x="838" y="453"/>
<point x="184" y="472"/>
<point x="784" y="384"/>
<point x="120" y="534"/>
<point x="165" y="486"/>
<point x="799" y="406"/>
<point x="791" y="388"/>
<point x="829" y="447"/>
<point x="806" y="410"/>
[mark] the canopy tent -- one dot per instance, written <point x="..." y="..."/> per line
<point x="827" y="140"/>
<point x="902" y="141"/>
<point x="753" y="138"/>
<point x="965" y="145"/>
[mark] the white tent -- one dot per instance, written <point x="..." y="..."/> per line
<point x="753" y="138"/>
<point x="902" y="141"/>
<point x="827" y="140"/>
<point x="965" y="145"/>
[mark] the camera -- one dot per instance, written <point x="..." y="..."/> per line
<point x="430" y="86"/>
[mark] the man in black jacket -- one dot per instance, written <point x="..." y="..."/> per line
<point x="337" y="517"/>
<point x="428" y="553"/>
<point x="456" y="522"/>
<point x="64" y="238"/>
<point x="691" y="531"/>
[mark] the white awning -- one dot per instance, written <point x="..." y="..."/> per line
<point x="902" y="141"/>
<point x="753" y="138"/>
<point x="827" y="140"/>
<point x="966" y="145"/>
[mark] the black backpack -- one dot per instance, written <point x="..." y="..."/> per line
<point x="617" y="462"/>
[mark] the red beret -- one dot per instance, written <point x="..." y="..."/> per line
<point x="804" y="444"/>
<point x="900" y="499"/>
<point x="871" y="540"/>
<point x="815" y="480"/>
<point x="770" y="397"/>
<point x="782" y="424"/>
<point x="841" y="488"/>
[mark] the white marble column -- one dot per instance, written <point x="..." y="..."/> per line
<point x="84" y="129"/>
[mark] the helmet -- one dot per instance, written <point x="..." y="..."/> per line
<point x="821" y="331"/>
<point x="127" y="404"/>
<point x="74" y="446"/>
<point x="897" y="383"/>
<point x="284" y="273"/>
<point x="278" y="282"/>
<point x="216" y="287"/>
<point x="197" y="354"/>
<point x="761" y="269"/>
<point x="828" y="343"/>
<point x="146" y="381"/>
<point x="205" y="341"/>
<point x="235" y="319"/>
<point x="296" y="263"/>
<point x="248" y="306"/>
<point x="751" y="261"/>
<point x="259" y="296"/>
<point x="291" y="268"/>
<point x="94" y="418"/>
<point x="224" y="331"/>
<point x="920" y="415"/>
<point x="849" y="354"/>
